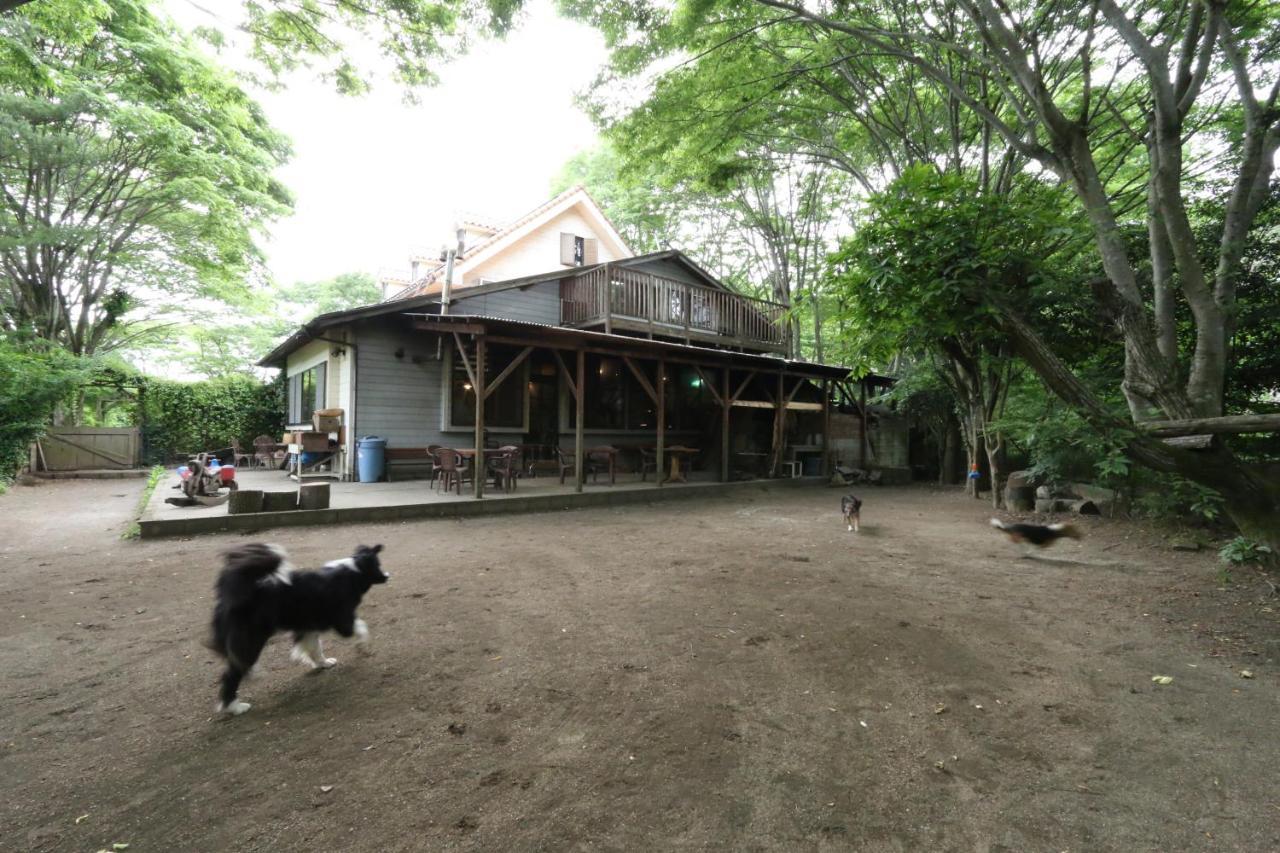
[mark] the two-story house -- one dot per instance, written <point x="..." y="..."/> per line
<point x="549" y="333"/>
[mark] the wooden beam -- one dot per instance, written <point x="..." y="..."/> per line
<point x="581" y="414"/>
<point x="865" y="440"/>
<point x="725" y="410"/>
<point x="478" y="466"/>
<point x="826" y="428"/>
<point x="769" y="404"/>
<point x="466" y="362"/>
<point x="446" y="328"/>
<point x="1227" y="425"/>
<point x="564" y="371"/>
<point x="743" y="386"/>
<point x="643" y="380"/>
<point x="660" y="453"/>
<point x="1189" y="442"/>
<point x="709" y="385"/>
<point x="551" y="341"/>
<point x="515" y="362"/>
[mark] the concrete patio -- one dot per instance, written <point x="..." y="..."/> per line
<point x="365" y="502"/>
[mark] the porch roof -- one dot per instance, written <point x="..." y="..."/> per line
<point x="563" y="337"/>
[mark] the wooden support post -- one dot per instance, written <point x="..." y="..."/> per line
<point x="727" y="404"/>
<point x="862" y="412"/>
<point x="826" y="428"/>
<point x="662" y="418"/>
<point x="779" y="412"/>
<point x="578" y="459"/>
<point x="478" y="463"/>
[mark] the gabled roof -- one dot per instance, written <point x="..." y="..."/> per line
<point x="431" y="278"/>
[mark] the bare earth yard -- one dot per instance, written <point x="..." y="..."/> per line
<point x="736" y="675"/>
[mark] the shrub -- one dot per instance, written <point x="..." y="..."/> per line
<point x="178" y="418"/>
<point x="33" y="380"/>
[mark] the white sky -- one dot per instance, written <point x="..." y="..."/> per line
<point x="375" y="178"/>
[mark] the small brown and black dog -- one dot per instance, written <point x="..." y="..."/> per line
<point x="851" y="507"/>
<point x="1036" y="535"/>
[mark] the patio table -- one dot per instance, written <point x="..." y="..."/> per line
<point x="677" y="453"/>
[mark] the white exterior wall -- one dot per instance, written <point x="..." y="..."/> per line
<point x="539" y="250"/>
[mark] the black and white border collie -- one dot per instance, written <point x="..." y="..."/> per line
<point x="260" y="594"/>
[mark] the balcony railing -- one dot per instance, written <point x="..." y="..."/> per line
<point x="621" y="298"/>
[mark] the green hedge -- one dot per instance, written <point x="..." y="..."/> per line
<point x="33" y="380"/>
<point x="179" y="418"/>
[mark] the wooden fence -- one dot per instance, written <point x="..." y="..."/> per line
<point x="79" y="448"/>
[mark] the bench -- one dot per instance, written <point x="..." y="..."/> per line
<point x="406" y="458"/>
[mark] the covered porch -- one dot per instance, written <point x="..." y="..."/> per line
<point x="662" y="407"/>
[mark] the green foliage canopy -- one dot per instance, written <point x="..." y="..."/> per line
<point x="134" y="173"/>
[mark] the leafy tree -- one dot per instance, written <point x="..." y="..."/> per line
<point x="327" y="34"/>
<point x="1137" y="108"/>
<point x="917" y="274"/>
<point x="133" y="174"/>
<point x="645" y="216"/>
<point x="340" y="293"/>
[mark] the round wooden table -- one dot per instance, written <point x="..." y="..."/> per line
<point x="677" y="453"/>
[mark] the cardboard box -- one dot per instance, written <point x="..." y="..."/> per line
<point x="308" y="441"/>
<point x="326" y="423"/>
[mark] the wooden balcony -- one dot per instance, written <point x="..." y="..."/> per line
<point x="621" y="299"/>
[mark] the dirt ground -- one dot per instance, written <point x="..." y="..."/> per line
<point x="737" y="675"/>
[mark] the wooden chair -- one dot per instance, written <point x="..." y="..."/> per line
<point x="648" y="462"/>
<point x="453" y="470"/>
<point x="264" y="452"/>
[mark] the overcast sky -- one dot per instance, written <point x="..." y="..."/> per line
<point x="375" y="178"/>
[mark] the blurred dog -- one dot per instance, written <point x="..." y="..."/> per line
<point x="1035" y="536"/>
<point x="259" y="594"/>
<point x="852" y="509"/>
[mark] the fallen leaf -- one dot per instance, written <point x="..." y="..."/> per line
<point x="82" y="817"/>
<point x="119" y="846"/>
<point x="940" y="708"/>
<point x="324" y="789"/>
<point x="862" y="723"/>
<point x="1246" y="673"/>
<point x="1162" y="679"/>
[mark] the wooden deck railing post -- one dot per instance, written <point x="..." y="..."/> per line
<point x="608" y="300"/>
<point x="478" y="463"/>
<point x="581" y="413"/>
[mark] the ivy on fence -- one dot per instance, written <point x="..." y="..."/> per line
<point x="180" y="418"/>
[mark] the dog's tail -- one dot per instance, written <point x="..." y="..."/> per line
<point x="998" y="524"/>
<point x="243" y="570"/>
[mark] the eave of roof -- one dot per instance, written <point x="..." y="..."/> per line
<point x="690" y="352"/>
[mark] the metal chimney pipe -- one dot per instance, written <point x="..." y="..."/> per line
<point x="447" y="288"/>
